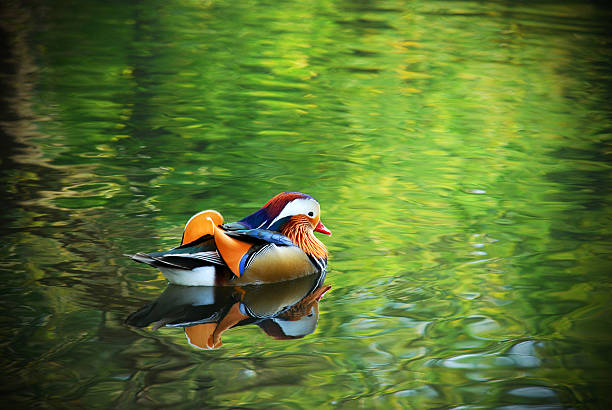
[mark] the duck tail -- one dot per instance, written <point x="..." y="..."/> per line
<point x="161" y="262"/>
<point x="141" y="257"/>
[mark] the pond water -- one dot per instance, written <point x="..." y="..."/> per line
<point x="459" y="150"/>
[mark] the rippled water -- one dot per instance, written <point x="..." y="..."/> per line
<point x="459" y="150"/>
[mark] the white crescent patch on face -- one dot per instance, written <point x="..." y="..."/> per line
<point x="299" y="206"/>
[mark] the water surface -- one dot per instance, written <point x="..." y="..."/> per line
<point x="459" y="150"/>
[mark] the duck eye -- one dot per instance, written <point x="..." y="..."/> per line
<point x="311" y="214"/>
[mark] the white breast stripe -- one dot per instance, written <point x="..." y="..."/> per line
<point x="319" y="262"/>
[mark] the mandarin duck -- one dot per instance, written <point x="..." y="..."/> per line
<point x="275" y="243"/>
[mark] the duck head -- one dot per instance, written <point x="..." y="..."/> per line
<point x="295" y="215"/>
<point x="279" y="210"/>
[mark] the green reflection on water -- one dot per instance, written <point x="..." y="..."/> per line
<point x="459" y="152"/>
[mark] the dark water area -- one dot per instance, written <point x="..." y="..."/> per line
<point x="460" y="152"/>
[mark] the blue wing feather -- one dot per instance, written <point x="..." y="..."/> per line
<point x="262" y="235"/>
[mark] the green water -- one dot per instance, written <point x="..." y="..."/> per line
<point x="460" y="152"/>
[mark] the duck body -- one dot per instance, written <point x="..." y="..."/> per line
<point x="275" y="243"/>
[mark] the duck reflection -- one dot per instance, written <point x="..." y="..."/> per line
<point x="283" y="310"/>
